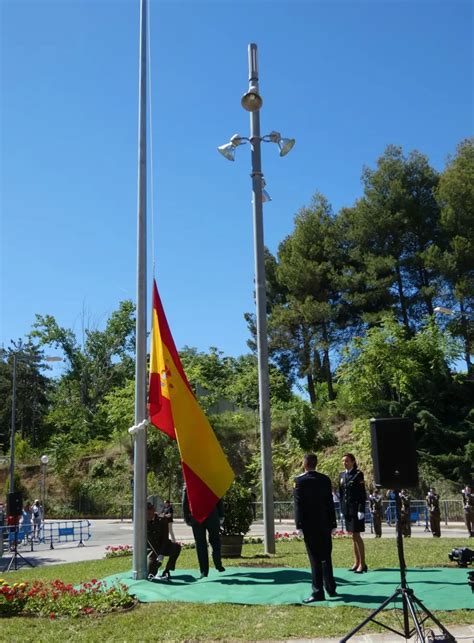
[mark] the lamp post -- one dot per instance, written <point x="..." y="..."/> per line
<point x="44" y="463"/>
<point x="13" y="420"/>
<point x="252" y="102"/>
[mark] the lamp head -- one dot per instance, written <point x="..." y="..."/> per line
<point x="228" y="150"/>
<point x="265" y="196"/>
<point x="44" y="459"/>
<point x="285" y="144"/>
<point x="252" y="101"/>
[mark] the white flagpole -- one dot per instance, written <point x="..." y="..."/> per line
<point x="139" y="464"/>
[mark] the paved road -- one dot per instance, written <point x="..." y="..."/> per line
<point x="115" y="532"/>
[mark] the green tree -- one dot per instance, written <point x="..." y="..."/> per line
<point x="103" y="362"/>
<point x="307" y="429"/>
<point x="389" y="372"/>
<point x="455" y="260"/>
<point x="392" y="228"/>
<point x="33" y="389"/>
<point x="307" y="312"/>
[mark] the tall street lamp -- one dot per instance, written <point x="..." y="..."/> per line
<point x="13" y="420"/>
<point x="252" y="102"/>
<point x="44" y="463"/>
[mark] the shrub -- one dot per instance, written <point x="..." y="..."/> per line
<point x="238" y="513"/>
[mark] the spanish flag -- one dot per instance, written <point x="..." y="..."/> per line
<point x="174" y="410"/>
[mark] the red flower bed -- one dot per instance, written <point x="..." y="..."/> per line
<point x="57" y="598"/>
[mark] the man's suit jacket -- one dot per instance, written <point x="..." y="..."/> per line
<point x="314" y="506"/>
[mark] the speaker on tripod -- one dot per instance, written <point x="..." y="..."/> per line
<point x="395" y="467"/>
<point x="14" y="503"/>
<point x="14" y="511"/>
<point x="394" y="453"/>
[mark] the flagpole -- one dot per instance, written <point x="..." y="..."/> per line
<point x="139" y="462"/>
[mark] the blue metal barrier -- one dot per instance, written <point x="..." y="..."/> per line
<point x="10" y="533"/>
<point x="65" y="531"/>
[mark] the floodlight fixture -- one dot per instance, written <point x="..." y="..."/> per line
<point x="265" y="196"/>
<point x="228" y="149"/>
<point x="285" y="144"/>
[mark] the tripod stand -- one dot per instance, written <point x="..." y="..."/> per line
<point x="16" y="556"/>
<point x="411" y="605"/>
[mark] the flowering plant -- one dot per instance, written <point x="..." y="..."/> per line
<point x="12" y="597"/>
<point x="116" y="551"/>
<point x="287" y="536"/>
<point x="56" y="598"/>
<point x="340" y="533"/>
<point x="293" y="535"/>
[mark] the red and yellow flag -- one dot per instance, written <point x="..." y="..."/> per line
<point x="175" y="411"/>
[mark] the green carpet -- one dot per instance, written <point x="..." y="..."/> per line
<point x="438" y="588"/>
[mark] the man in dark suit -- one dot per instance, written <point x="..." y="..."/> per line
<point x="316" y="518"/>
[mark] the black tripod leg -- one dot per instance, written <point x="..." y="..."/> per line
<point x="14" y="559"/>
<point x="416" y="601"/>
<point x="371" y="616"/>
<point x="414" y="615"/>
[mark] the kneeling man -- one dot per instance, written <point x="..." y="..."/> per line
<point x="316" y="518"/>
<point x="159" y="544"/>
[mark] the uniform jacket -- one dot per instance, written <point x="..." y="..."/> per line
<point x="168" y="512"/>
<point x="467" y="500"/>
<point x="405" y="504"/>
<point x="375" y="503"/>
<point x="314" y="506"/>
<point x="432" y="502"/>
<point x="157" y="533"/>
<point x="352" y="492"/>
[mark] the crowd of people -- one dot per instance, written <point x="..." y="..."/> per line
<point x="315" y="504"/>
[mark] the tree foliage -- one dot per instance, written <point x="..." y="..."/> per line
<point x="350" y="303"/>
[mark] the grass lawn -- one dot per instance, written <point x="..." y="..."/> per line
<point x="178" y="621"/>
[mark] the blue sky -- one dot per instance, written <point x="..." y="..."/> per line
<point x="343" y="78"/>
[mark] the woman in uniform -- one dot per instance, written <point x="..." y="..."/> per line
<point x="353" y="497"/>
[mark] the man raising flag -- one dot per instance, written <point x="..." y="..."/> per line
<point x="174" y="410"/>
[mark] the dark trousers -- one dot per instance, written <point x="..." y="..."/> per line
<point x="319" y="548"/>
<point x="377" y="523"/>
<point x="172" y="550"/>
<point x="405" y="524"/>
<point x="435" y="523"/>
<point x="200" y="530"/>
<point x="469" y="518"/>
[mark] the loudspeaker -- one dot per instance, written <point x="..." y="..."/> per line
<point x="394" y="453"/>
<point x="14" y="504"/>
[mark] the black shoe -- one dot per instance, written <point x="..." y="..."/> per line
<point x="314" y="598"/>
<point x="361" y="571"/>
<point x="203" y="575"/>
<point x="332" y="594"/>
<point x="165" y="576"/>
<point x="352" y="569"/>
<point x="220" y="568"/>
